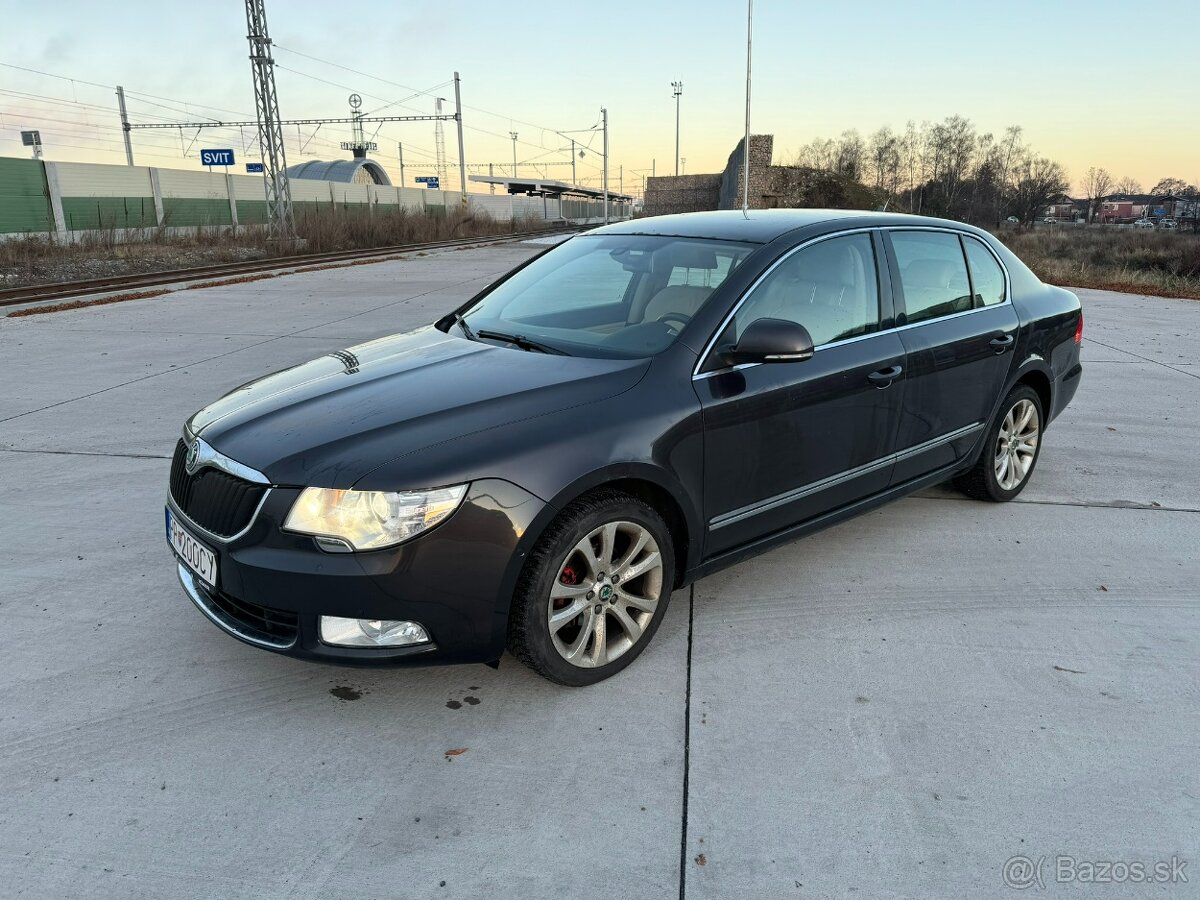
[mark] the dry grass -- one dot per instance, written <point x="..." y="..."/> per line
<point x="354" y="229"/>
<point x="241" y="279"/>
<point x="109" y="253"/>
<point x="1154" y="263"/>
<point x="83" y="304"/>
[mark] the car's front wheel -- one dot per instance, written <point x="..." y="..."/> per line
<point x="1010" y="451"/>
<point x="594" y="589"/>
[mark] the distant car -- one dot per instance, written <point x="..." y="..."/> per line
<point x="1013" y="220"/>
<point x="1144" y="223"/>
<point x="1050" y="220"/>
<point x="1168" y="225"/>
<point x="546" y="464"/>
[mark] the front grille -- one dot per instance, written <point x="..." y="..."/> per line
<point x="218" y="502"/>
<point x="271" y="626"/>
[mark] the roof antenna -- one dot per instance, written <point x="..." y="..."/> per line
<point x="885" y="205"/>
<point x="746" y="142"/>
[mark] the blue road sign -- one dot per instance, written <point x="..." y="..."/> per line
<point x="254" y="168"/>
<point x="216" y="157"/>
<point x="430" y="181"/>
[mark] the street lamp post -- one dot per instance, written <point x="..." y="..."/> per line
<point x="678" y="86"/>
<point x="513" y="135"/>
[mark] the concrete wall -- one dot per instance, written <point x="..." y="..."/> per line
<point x="770" y="186"/>
<point x="666" y="194"/>
<point x="64" y="200"/>
<point x="761" y="149"/>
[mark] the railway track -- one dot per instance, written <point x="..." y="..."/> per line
<point x="40" y="293"/>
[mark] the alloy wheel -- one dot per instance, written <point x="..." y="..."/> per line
<point x="605" y="594"/>
<point x="1016" y="444"/>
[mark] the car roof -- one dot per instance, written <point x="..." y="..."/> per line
<point x="761" y="226"/>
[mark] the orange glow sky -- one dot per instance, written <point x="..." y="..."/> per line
<point x="539" y="67"/>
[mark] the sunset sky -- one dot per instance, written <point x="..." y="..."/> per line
<point x="1100" y="82"/>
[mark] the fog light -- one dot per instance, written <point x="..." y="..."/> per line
<point x="371" y="632"/>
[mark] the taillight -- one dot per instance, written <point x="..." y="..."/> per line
<point x="1079" y="329"/>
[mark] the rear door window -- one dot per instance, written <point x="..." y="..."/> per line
<point x="986" y="274"/>
<point x="933" y="274"/>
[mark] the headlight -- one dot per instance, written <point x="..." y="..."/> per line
<point x="368" y="520"/>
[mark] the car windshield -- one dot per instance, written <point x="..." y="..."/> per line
<point x="613" y="295"/>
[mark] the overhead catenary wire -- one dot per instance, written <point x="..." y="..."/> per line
<point x="162" y="104"/>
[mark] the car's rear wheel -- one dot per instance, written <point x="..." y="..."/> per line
<point x="594" y="589"/>
<point x="1010" y="451"/>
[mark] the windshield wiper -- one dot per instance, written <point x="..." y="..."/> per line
<point x="462" y="323"/>
<point x="519" y="340"/>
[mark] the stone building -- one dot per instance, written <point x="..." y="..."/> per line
<point x="770" y="186"/>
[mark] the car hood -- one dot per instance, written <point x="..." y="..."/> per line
<point x="330" y="421"/>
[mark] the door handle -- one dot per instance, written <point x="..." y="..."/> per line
<point x="1001" y="343"/>
<point x="884" y="377"/>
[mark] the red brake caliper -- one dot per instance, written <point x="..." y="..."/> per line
<point x="569" y="577"/>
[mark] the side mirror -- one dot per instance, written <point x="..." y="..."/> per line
<point x="770" y="341"/>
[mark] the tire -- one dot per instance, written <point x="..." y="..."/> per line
<point x="1007" y="460"/>
<point x="625" y="535"/>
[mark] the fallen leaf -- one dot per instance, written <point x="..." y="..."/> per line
<point x="459" y="752"/>
<point x="1072" y="671"/>
<point x="1103" y="588"/>
<point x="701" y="860"/>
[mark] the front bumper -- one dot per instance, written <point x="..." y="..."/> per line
<point x="457" y="581"/>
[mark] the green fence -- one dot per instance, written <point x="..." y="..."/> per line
<point x="24" y="197"/>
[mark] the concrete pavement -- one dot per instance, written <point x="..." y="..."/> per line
<point x="891" y="708"/>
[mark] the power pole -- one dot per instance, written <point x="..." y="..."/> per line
<point x="124" y="125"/>
<point x="491" y="174"/>
<point x="439" y="144"/>
<point x="574" y="182"/>
<point x="513" y="135"/>
<point x="604" y="118"/>
<point x="400" y="150"/>
<point x="270" y="132"/>
<point x="621" y="180"/>
<point x="683" y="165"/>
<point x="462" y="159"/>
<point x="678" y="86"/>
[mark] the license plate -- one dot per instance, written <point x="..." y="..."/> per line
<point x="191" y="552"/>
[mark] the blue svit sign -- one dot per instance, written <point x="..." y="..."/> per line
<point x="216" y="157"/>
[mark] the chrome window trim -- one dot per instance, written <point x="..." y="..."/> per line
<point x="753" y="509"/>
<point x="176" y="511"/>
<point x="966" y="262"/>
<point x="197" y="595"/>
<point x="708" y="347"/>
<point x="697" y="375"/>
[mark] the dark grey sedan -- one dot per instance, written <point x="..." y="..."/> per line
<point x="639" y="406"/>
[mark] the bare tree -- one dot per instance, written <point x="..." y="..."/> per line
<point x="1008" y="152"/>
<point x="883" y="160"/>
<point x="1036" y="182"/>
<point x="915" y="145"/>
<point x="849" y="155"/>
<point x="1175" y="186"/>
<point x="818" y="154"/>
<point x="1129" y="185"/>
<point x="1097" y="183"/>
